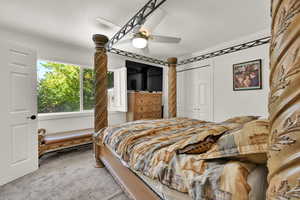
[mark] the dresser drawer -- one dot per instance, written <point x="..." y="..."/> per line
<point x="147" y="115"/>
<point x="148" y="99"/>
<point x="152" y="115"/>
<point x="147" y="108"/>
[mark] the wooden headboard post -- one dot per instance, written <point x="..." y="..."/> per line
<point x="172" y="87"/>
<point x="100" y="68"/>
<point x="284" y="102"/>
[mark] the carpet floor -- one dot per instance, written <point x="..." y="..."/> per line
<point x="65" y="176"/>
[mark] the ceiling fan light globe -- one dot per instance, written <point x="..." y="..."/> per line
<point x="139" y="42"/>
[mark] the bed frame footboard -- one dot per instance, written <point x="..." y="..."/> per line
<point x="130" y="183"/>
<point x="97" y="150"/>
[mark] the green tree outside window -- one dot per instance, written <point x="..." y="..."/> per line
<point x="88" y="87"/>
<point x="59" y="87"/>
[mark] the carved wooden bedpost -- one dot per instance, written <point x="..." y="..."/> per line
<point x="172" y="89"/>
<point x="284" y="102"/>
<point x="100" y="68"/>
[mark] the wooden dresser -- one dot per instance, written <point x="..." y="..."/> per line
<point x="144" y="105"/>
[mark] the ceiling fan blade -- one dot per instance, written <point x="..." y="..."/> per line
<point x="107" y="23"/>
<point x="164" y="39"/>
<point x="146" y="50"/>
<point x="125" y="41"/>
<point x="154" y="19"/>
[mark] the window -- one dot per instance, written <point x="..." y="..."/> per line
<point x="88" y="78"/>
<point x="59" y="87"/>
<point x="88" y="87"/>
<point x="110" y="79"/>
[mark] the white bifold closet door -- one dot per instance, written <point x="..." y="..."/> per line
<point x="180" y="94"/>
<point x="195" y="93"/>
<point x="18" y="136"/>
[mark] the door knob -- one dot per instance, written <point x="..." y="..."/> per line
<point x="32" y="117"/>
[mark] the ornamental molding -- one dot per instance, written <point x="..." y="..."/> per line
<point x="136" y="20"/>
<point x="221" y="52"/>
<point x="149" y="8"/>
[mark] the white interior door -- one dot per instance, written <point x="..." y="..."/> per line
<point x="198" y="93"/>
<point x="180" y="95"/>
<point x="18" y="138"/>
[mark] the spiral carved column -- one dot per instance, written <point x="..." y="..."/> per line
<point x="172" y="88"/>
<point x="100" y="68"/>
<point x="284" y="102"/>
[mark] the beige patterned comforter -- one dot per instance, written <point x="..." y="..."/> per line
<point x="151" y="147"/>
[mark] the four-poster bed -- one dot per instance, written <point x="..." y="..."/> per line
<point x="284" y="106"/>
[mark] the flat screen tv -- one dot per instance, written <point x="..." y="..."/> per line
<point x="143" y="77"/>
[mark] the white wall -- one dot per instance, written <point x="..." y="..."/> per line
<point x="66" y="122"/>
<point x="49" y="49"/>
<point x="228" y="103"/>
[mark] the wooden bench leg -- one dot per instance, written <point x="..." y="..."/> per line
<point x="41" y="137"/>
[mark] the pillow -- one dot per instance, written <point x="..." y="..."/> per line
<point x="241" y="119"/>
<point x="199" y="147"/>
<point x="247" y="143"/>
<point x="204" y="139"/>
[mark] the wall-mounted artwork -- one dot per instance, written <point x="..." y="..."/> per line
<point x="247" y="76"/>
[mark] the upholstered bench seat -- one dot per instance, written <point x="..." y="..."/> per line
<point x="68" y="136"/>
<point x="62" y="140"/>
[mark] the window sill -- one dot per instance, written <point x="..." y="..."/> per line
<point x="64" y="115"/>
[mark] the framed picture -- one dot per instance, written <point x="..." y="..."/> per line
<point x="247" y="76"/>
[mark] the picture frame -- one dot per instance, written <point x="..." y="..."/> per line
<point x="247" y="75"/>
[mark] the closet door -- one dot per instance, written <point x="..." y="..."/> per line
<point x="199" y="98"/>
<point x="180" y="94"/>
<point x="189" y="97"/>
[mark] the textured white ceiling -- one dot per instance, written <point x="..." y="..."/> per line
<point x="200" y="23"/>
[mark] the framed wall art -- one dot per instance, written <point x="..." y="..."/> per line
<point x="247" y="75"/>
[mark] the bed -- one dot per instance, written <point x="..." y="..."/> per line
<point x="187" y="159"/>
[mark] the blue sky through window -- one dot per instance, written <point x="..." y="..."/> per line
<point x="41" y="70"/>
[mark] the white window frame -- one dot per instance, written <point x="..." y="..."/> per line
<point x="75" y="114"/>
<point x="63" y="115"/>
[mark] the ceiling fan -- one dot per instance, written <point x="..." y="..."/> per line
<point x="142" y="34"/>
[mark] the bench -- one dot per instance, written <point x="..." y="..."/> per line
<point x="58" y="141"/>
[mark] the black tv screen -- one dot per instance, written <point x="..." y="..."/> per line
<point x="143" y="77"/>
